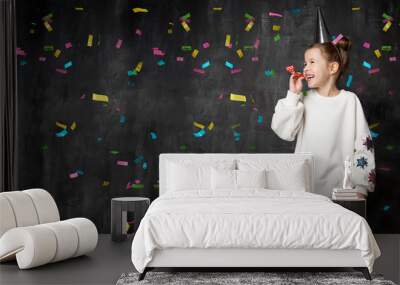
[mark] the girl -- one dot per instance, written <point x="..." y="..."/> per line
<point x="328" y="122"/>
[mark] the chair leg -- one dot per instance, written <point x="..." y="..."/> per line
<point x="364" y="271"/>
<point x="143" y="274"/>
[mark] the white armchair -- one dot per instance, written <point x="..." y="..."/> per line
<point x="31" y="230"/>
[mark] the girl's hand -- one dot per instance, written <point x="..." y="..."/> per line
<point x="295" y="84"/>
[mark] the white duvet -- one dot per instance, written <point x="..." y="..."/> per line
<point x="251" y="218"/>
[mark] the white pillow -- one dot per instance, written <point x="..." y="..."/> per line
<point x="251" y="178"/>
<point x="281" y="174"/>
<point x="189" y="174"/>
<point x="235" y="179"/>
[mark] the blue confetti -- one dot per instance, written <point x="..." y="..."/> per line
<point x="205" y="65"/>
<point x="153" y="135"/>
<point x="367" y="64"/>
<point x="228" y="64"/>
<point x="122" y="119"/>
<point x="269" y="72"/>
<point x="260" y="119"/>
<point x="200" y="133"/>
<point x="68" y="64"/>
<point x="349" y="80"/>
<point x="62" y="133"/>
<point x="161" y="62"/>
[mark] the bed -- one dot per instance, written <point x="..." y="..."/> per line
<point x="271" y="216"/>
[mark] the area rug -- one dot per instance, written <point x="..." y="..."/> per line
<point x="243" y="278"/>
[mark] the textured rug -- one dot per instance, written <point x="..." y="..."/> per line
<point x="243" y="278"/>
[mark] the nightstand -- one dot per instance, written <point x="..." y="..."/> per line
<point x="357" y="206"/>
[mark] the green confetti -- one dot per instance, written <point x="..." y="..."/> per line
<point x="114" y="151"/>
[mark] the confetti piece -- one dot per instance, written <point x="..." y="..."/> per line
<point x="211" y="126"/>
<point x="73" y="175"/>
<point x="374" y="70"/>
<point x="206" y="45"/>
<point x="195" y="53"/>
<point x="269" y="73"/>
<point x="186" y="48"/>
<point x="205" y="65"/>
<point x="62" y="71"/>
<point x="228" y="64"/>
<point x="199" y="133"/>
<point x="122" y="163"/>
<point x="366" y="64"/>
<point x="61" y="125"/>
<point x="68" y="64"/>
<point x="198" y="125"/>
<point x="158" y="52"/>
<point x="386" y="208"/>
<point x="100" y="98"/>
<point x="260" y="119"/>
<point x="248" y="16"/>
<point x="122" y="119"/>
<point x="366" y="45"/>
<point x="386" y="48"/>
<point x="138" y="67"/>
<point x="273" y="14"/>
<point x="153" y="135"/>
<point x="114" y="152"/>
<point x="78" y="8"/>
<point x="237" y="97"/>
<point x="161" y="62"/>
<point x="217" y="8"/>
<point x="62" y="133"/>
<point x="377" y="53"/>
<point x="236" y="135"/>
<point x="57" y="53"/>
<point x="257" y="43"/>
<point x="137" y="186"/>
<point x="90" y="41"/>
<point x="42" y="58"/>
<point x="277" y="37"/>
<point x="179" y="58"/>
<point x="349" y="80"/>
<point x="387" y="26"/>
<point x="118" y="44"/>
<point x="185" y="26"/>
<point x="138" y="32"/>
<point x="144" y="165"/>
<point x="355" y="9"/>
<point x="239" y="53"/>
<point x="131" y="73"/>
<point x="236" y="70"/>
<point x="249" y="26"/>
<point x="48" y="48"/>
<point x="276" y="28"/>
<point x="337" y="39"/>
<point x="254" y="58"/>
<point x="374" y="134"/>
<point x="387" y="17"/>
<point x="392" y="58"/>
<point x="228" y="41"/>
<point x="20" y="52"/>
<point x="73" y="126"/>
<point x="48" y="26"/>
<point x="199" y="71"/>
<point x="68" y="45"/>
<point x="140" y="10"/>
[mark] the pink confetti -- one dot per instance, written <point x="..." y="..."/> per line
<point x="366" y="45"/>
<point x="68" y="45"/>
<point x="199" y="71"/>
<point x="62" y="71"/>
<point x="229" y="46"/>
<point x="122" y="162"/>
<point x="338" y="38"/>
<point x="273" y="14"/>
<point x="392" y="58"/>
<point x="138" y="32"/>
<point x="128" y="186"/>
<point x="257" y="43"/>
<point x="158" y="52"/>
<point x="137" y="181"/>
<point x="254" y="58"/>
<point x="236" y="70"/>
<point x="220" y="96"/>
<point x="118" y="44"/>
<point x="374" y="70"/>
<point x="206" y="45"/>
<point x="73" y="175"/>
<point x="21" y="52"/>
<point x="179" y="58"/>
<point x="42" y="58"/>
<point x="83" y="96"/>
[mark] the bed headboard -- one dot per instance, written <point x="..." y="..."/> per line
<point x="164" y="157"/>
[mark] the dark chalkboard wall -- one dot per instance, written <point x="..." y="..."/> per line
<point x="154" y="110"/>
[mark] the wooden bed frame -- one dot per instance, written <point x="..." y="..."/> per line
<point x="241" y="259"/>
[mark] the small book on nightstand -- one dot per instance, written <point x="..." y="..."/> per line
<point x="346" y="194"/>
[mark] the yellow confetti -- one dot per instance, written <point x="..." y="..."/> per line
<point x="185" y="26"/>
<point x="228" y="40"/>
<point x="239" y="53"/>
<point x="237" y="97"/>
<point x="249" y="26"/>
<point x="373" y="125"/>
<point x="195" y="53"/>
<point x="387" y="26"/>
<point x="48" y="26"/>
<point x="73" y="126"/>
<point x="57" y="53"/>
<point x="140" y="10"/>
<point x="105" y="183"/>
<point x="90" y="41"/>
<point x="61" y="125"/>
<point x="217" y="8"/>
<point x="198" y="125"/>
<point x="211" y="126"/>
<point x="276" y="28"/>
<point x="99" y="97"/>
<point x="138" y="67"/>
<point x="355" y="9"/>
<point x="78" y="8"/>
<point x="377" y="53"/>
